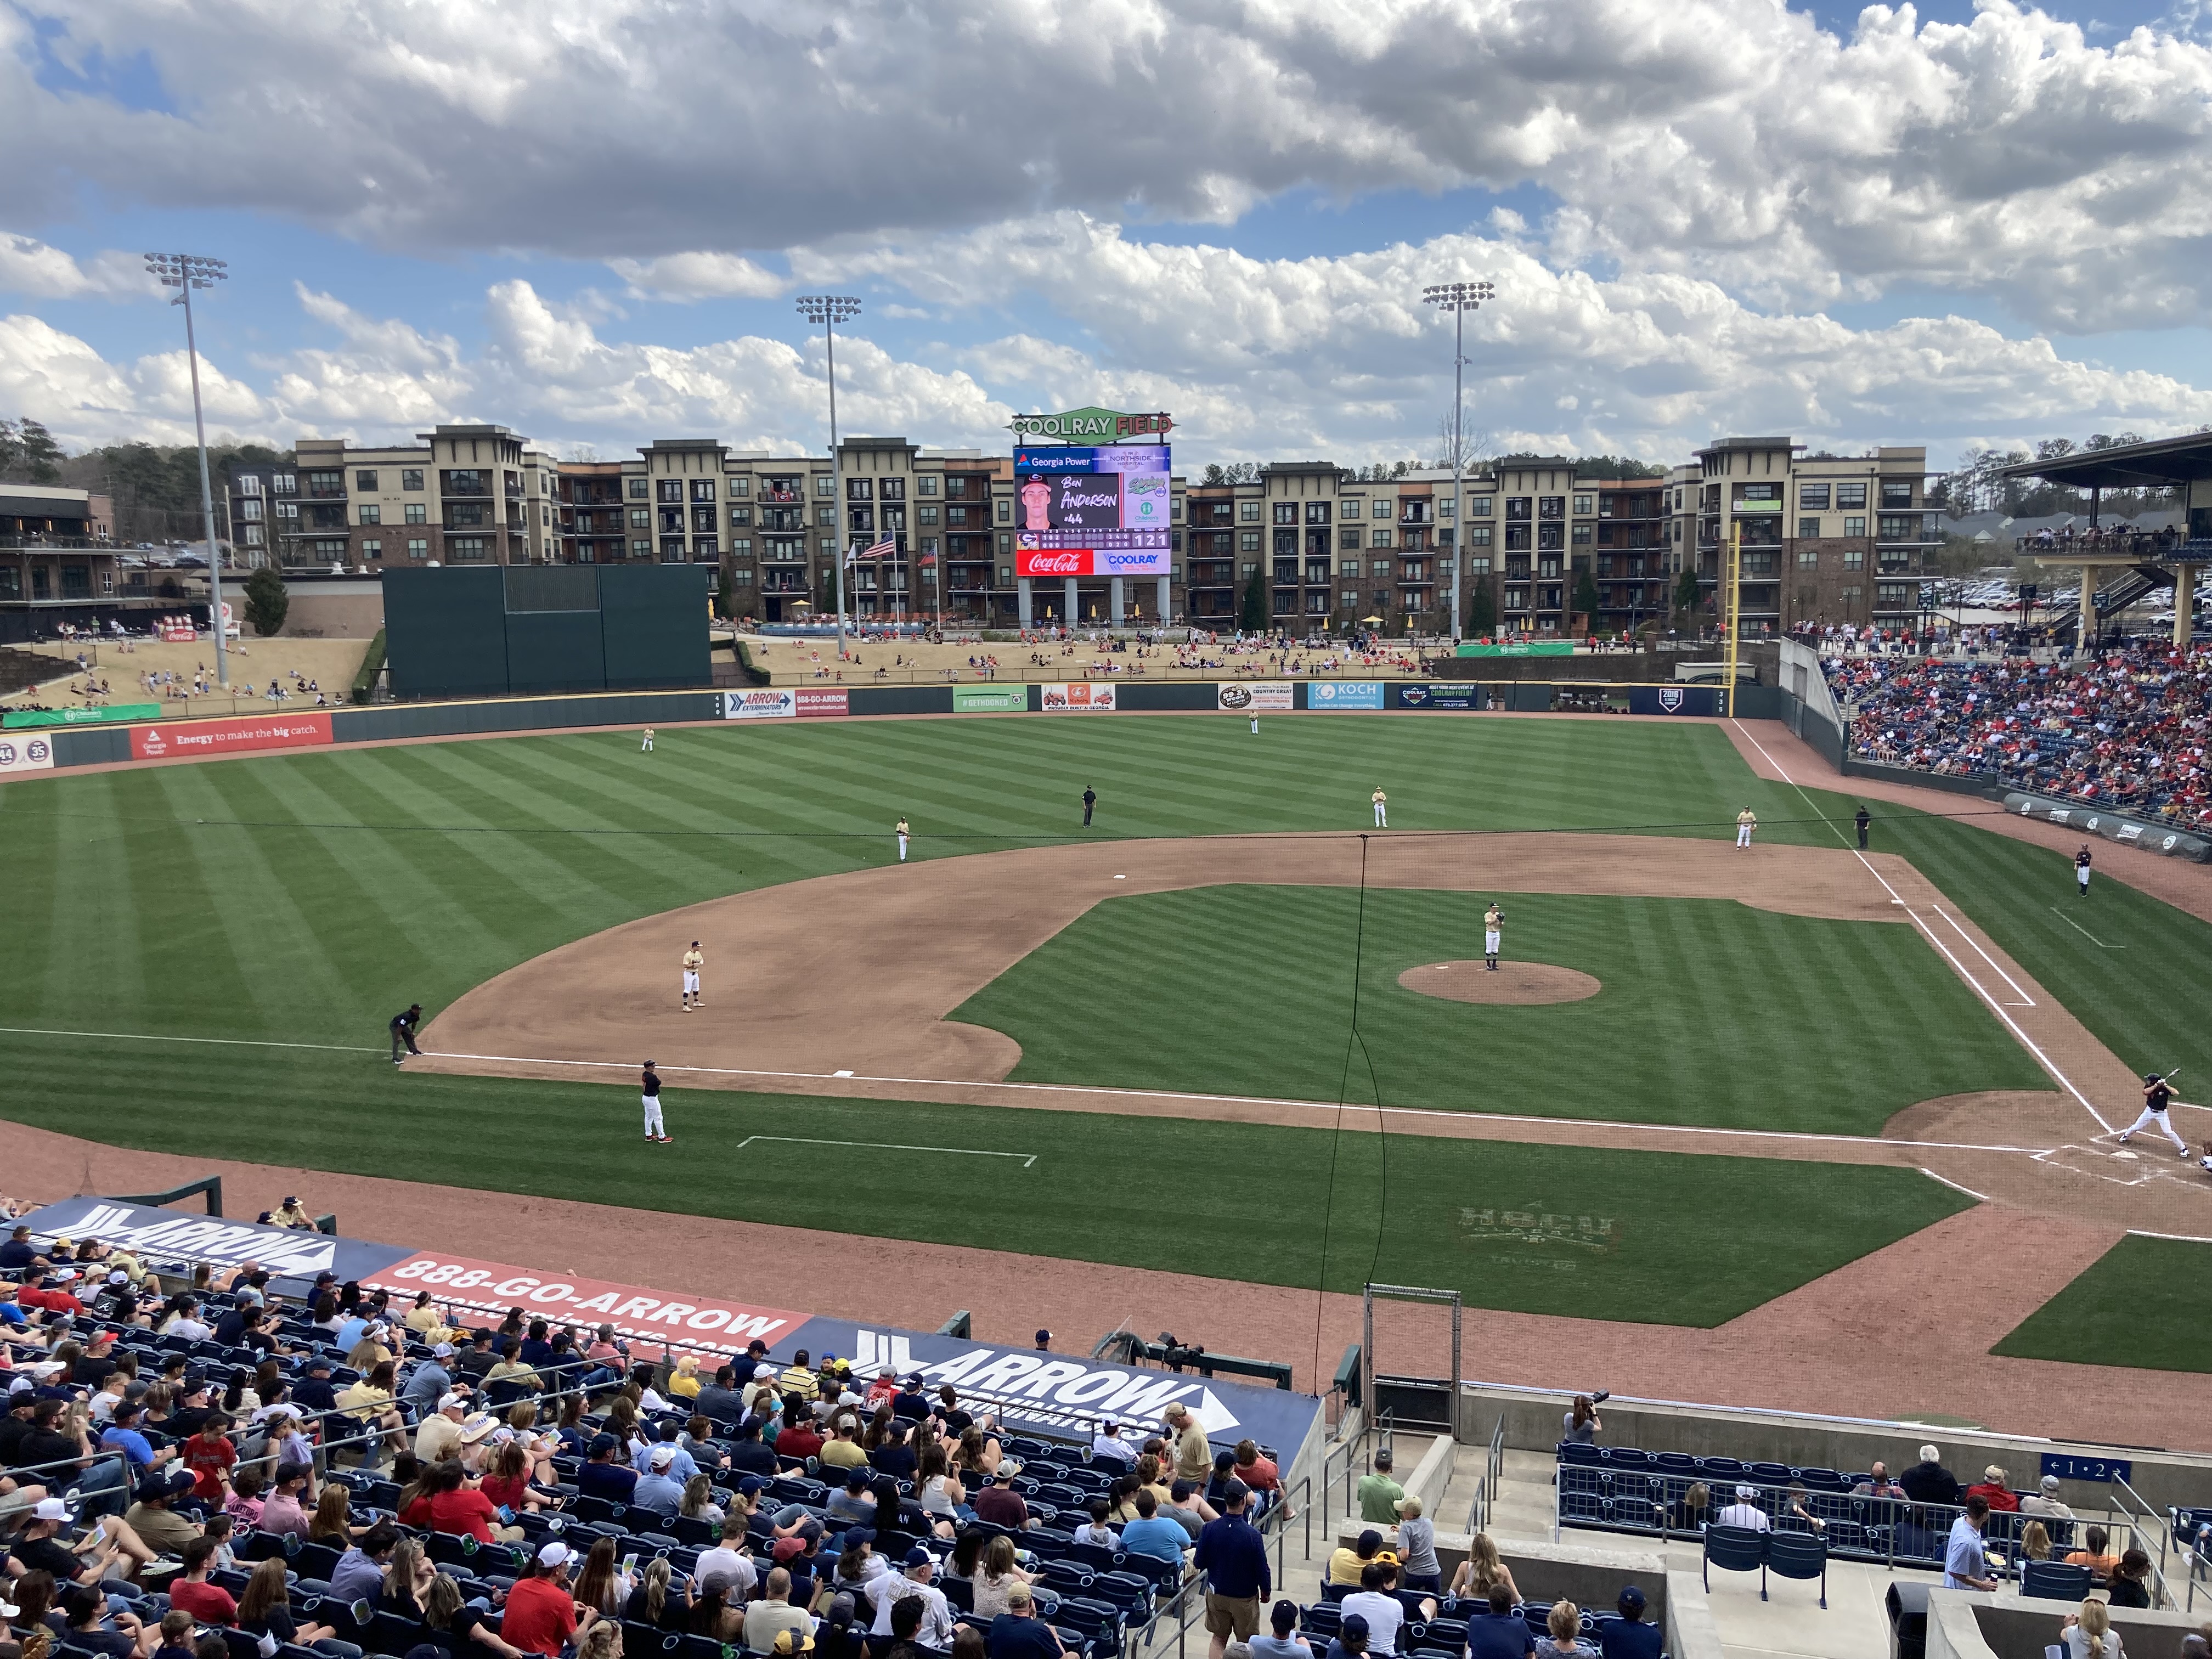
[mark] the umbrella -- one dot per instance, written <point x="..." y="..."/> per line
<point x="1371" y="619"/>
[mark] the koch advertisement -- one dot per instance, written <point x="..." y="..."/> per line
<point x="29" y="753"/>
<point x="229" y="736"/>
<point x="1080" y="697"/>
<point x="1249" y="697"/>
<point x="1101" y="511"/>
<point x="766" y="702"/>
<point x="1344" y="693"/>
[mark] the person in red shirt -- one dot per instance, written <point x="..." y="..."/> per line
<point x="209" y="1455"/>
<point x="208" y="1604"/>
<point x="541" y="1608"/>
<point x="799" y="1439"/>
<point x="457" y="1506"/>
<point x="1993" y="1486"/>
<point x="35" y="1293"/>
<point x="1255" y="1470"/>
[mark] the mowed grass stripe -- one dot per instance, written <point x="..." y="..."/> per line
<point x="1753" y="1019"/>
<point x="1775" y="1227"/>
<point x="2146" y="1301"/>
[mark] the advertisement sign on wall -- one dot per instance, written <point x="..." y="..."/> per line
<point x="113" y="715"/>
<point x="1108" y="505"/>
<point x="765" y="703"/>
<point x="1247" y="696"/>
<point x="1520" y="648"/>
<point x="815" y="701"/>
<point x="1445" y="695"/>
<point x="229" y="736"/>
<point x="168" y="1236"/>
<point x="32" y="754"/>
<point x="990" y="699"/>
<point x="1345" y="694"/>
<point x="1079" y="697"/>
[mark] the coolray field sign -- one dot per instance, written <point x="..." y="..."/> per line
<point x="1097" y="426"/>
<point x="164" y="1236"/>
<point x="1078" y="697"/>
<point x="1067" y="1394"/>
<point x="226" y="736"/>
<point x="990" y="699"/>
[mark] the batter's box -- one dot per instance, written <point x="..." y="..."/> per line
<point x="2124" y="1166"/>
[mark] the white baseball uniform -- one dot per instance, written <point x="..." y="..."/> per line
<point x="1381" y="809"/>
<point x="1744" y="823"/>
<point x="2147" y="1119"/>
<point x="653" y="1129"/>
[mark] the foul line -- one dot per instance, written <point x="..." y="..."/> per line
<point x="2026" y="1000"/>
<point x="1996" y="1007"/>
<point x="1979" y="1198"/>
<point x="1027" y="1158"/>
<point x="2062" y="916"/>
<point x="230" y="1043"/>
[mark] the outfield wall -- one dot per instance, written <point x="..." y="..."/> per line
<point x="99" y="745"/>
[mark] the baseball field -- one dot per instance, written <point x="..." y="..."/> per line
<point x="1227" y="1030"/>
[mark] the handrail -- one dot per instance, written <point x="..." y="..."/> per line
<point x="1487" y="1483"/>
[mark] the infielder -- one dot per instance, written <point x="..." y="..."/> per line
<point x="402" y="1033"/>
<point x="1746" y="821"/>
<point x="1381" y="808"/>
<point x="903" y="829"/>
<point x="2081" y="872"/>
<point x="694" y="960"/>
<point x="1493" y="924"/>
<point x="653" y="1129"/>
<point x="2156" y="1094"/>
<point x="645" y="747"/>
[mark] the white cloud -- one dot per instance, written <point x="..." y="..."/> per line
<point x="1731" y="139"/>
<point x="31" y="267"/>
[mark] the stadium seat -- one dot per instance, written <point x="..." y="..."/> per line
<point x="1734" y="1549"/>
<point x="315" y="1561"/>
<point x="1796" y="1555"/>
<point x="2054" y="1581"/>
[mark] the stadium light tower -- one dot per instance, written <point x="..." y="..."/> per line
<point x="184" y="272"/>
<point x="829" y="310"/>
<point x="1458" y="299"/>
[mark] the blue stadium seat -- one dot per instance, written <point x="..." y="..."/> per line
<point x="1734" y="1549"/>
<point x="1796" y="1555"/>
<point x="2054" y="1581"/>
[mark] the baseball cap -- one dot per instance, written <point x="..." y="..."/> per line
<point x="553" y="1554"/>
<point x="449" y="1401"/>
<point x="319" y="1362"/>
<point x="443" y="1351"/>
<point x="1234" y="1492"/>
<point x="52" y="1508"/>
<point x="793" y="1641"/>
<point x="858" y="1535"/>
<point x="751" y="1484"/>
<point x="602" y="1443"/>
<point x="811" y="1529"/>
<point x="1017" y="1596"/>
<point x="1043" y="1335"/>
<point x="119" y="1277"/>
<point x="661" y="1457"/>
<point x="2051" y="1485"/>
<point x="917" y="1555"/>
<point x="788" y="1549"/>
<point x="1355" y="1624"/>
<point x="1749" y="1494"/>
<point x="165" y="1482"/>
<point x="1631" y="1599"/>
<point x="291" y="1198"/>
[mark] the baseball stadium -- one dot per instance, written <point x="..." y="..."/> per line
<point x="1787" y="1127"/>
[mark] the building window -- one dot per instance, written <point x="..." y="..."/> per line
<point x="705" y="547"/>
<point x="926" y="485"/>
<point x="365" y="482"/>
<point x="249" y="485"/>
<point x="1585" y="504"/>
<point x="1443" y="507"/>
<point x="641" y="547"/>
<point x="465" y="550"/>
<point x="1246" y="570"/>
<point x="1379" y="539"/>
<point x="283" y="483"/>
<point x="1478" y="535"/>
<point x="742" y="578"/>
<point x="1854" y="558"/>
<point x="740" y="487"/>
<point x="249" y="510"/>
<point x="1247" y="541"/>
<point x="741" y="515"/>
<point x="1317" y="512"/>
<point x="1551" y="507"/>
<point x="1551" y="536"/>
<point x="825" y="484"/>
<point x="1808" y="558"/>
<point x="288" y="509"/>
<point x="372" y="549"/>
<point x="326" y="484"/>
<point x="1896" y="494"/>
<point x="1582" y="533"/>
<point x="1379" y="567"/>
<point x="1349" y="538"/>
<point x="1812" y="497"/>
<point x="1286" y="512"/>
<point x="418" y="547"/>
<point x="1855" y="526"/>
<point x="638" y="490"/>
<point x="741" y="547"/>
<point x="253" y="535"/>
<point x="1005" y="575"/>
<point x="1006" y="510"/>
<point x="859" y="490"/>
<point x="1851" y="495"/>
<point x="1349" y="567"/>
<point x="925" y="515"/>
<point x="1005" y="544"/>
<point x="1808" y="528"/>
<point x="672" y="489"/>
<point x="1480" y="507"/>
<point x="703" y="489"/>
<point x="1900" y="527"/>
<point x="1519" y="509"/>
<point x="1247" y="511"/>
<point x="371" y="513"/>
<point x="1478" y="564"/>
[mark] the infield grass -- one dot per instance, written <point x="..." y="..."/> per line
<point x="1667" y="1237"/>
<point x="2146" y="1301"/>
<point x="1713" y="1011"/>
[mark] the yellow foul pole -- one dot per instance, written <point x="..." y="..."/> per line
<point x="1732" y="604"/>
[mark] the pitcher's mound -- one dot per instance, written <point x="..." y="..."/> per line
<point x="1515" y="982"/>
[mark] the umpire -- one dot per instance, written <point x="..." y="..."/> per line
<point x="403" y="1032"/>
<point x="1861" y="819"/>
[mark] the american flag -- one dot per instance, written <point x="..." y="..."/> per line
<point x="882" y="549"/>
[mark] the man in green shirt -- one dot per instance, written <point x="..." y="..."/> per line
<point x="1379" y="1495"/>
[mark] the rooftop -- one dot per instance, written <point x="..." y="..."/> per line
<point x="2126" y="466"/>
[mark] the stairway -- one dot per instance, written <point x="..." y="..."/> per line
<point x="2116" y="596"/>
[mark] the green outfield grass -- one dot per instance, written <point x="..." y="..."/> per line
<point x="1672" y="1239"/>
<point x="2146" y="1301"/>
<point x="1713" y="1012"/>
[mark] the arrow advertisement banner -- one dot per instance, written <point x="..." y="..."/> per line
<point x="163" y="1237"/>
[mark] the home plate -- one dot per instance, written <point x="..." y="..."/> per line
<point x="2130" y="1156"/>
<point x="841" y="1074"/>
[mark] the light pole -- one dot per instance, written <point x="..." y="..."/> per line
<point x="1459" y="298"/>
<point x="829" y="310"/>
<point x="184" y="272"/>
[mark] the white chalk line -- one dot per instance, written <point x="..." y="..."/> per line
<point x="2062" y="916"/>
<point x="1980" y="990"/>
<point x="1979" y="1198"/>
<point x="1027" y="1158"/>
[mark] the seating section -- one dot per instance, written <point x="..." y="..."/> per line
<point x="1444" y="1635"/>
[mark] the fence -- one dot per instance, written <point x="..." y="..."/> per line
<point x="1486" y="1484"/>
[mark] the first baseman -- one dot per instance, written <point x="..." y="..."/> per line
<point x="903" y="829"/>
<point x="1746" y="821"/>
<point x="694" y="960"/>
<point x="651" y="1084"/>
<point x="1493" y="925"/>
<point x="1381" y="808"/>
<point x="2156" y="1093"/>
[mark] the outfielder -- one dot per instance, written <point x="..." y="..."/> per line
<point x="694" y="960"/>
<point x="653" y="1129"/>
<point x="2156" y="1094"/>
<point x="902" y="830"/>
<point x="1746" y="821"/>
<point x="1381" y="808"/>
<point x="2081" y="872"/>
<point x="1255" y="726"/>
<point x="645" y="747"/>
<point x="1493" y="924"/>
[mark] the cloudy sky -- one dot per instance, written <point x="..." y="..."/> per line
<point x="587" y="219"/>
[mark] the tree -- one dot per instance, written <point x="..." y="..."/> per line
<point x="1685" y="592"/>
<point x="1586" y="594"/>
<point x="29" y="453"/>
<point x="266" y="600"/>
<point x="1253" y="617"/>
<point x="1482" y="610"/>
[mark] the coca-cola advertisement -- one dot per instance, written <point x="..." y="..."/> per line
<point x="1053" y="561"/>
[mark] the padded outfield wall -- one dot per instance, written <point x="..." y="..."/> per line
<point x="501" y="629"/>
